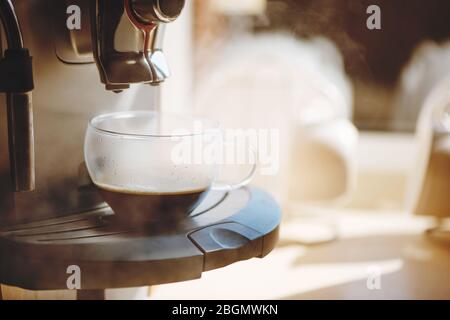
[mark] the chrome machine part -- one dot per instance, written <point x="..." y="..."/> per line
<point x="68" y="91"/>
<point x="127" y="40"/>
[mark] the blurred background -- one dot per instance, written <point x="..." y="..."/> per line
<point x="364" y="154"/>
<point x="376" y="61"/>
<point x="350" y="96"/>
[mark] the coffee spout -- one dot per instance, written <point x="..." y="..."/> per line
<point x="127" y="40"/>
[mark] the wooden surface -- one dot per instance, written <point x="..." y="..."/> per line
<point x="392" y="242"/>
<point x="14" y="293"/>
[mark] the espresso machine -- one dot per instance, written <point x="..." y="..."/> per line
<point x="62" y="62"/>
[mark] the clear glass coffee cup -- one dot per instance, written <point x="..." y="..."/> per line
<point x="152" y="166"/>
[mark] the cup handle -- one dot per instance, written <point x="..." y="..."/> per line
<point x="224" y="186"/>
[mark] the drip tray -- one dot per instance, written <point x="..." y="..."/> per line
<point x="225" y="228"/>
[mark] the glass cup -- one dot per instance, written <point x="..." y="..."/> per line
<point x="152" y="166"/>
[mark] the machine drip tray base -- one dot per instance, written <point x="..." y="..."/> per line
<point x="225" y="228"/>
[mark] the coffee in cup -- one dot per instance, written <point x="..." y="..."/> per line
<point x="142" y="164"/>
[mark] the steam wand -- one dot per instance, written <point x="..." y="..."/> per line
<point x="16" y="79"/>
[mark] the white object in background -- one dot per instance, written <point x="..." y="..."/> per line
<point x="239" y="7"/>
<point x="384" y="162"/>
<point x="274" y="81"/>
<point x="138" y="293"/>
<point x="323" y="161"/>
<point x="429" y="65"/>
<point x="429" y="185"/>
